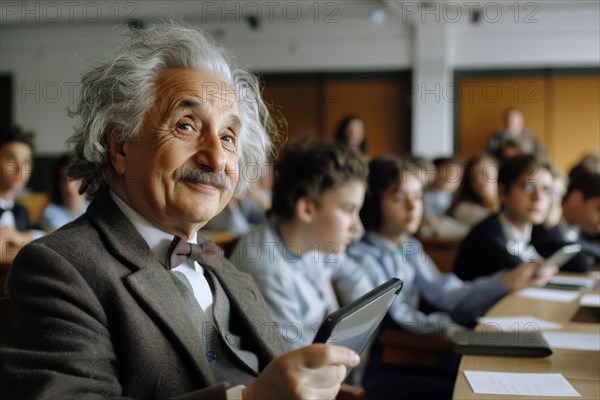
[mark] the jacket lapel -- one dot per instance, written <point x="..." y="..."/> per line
<point x="149" y="281"/>
<point x="244" y="296"/>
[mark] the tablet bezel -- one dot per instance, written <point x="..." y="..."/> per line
<point x="330" y="324"/>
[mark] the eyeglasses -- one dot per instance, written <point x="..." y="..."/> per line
<point x="530" y="187"/>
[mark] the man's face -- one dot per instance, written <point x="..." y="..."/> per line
<point x="336" y="218"/>
<point x="192" y="127"/>
<point x="402" y="207"/>
<point x="15" y="161"/>
<point x="529" y="198"/>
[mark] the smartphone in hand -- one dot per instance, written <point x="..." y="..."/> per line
<point x="560" y="257"/>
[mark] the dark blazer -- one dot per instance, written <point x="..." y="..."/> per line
<point x="550" y="240"/>
<point x="94" y="314"/>
<point x="483" y="251"/>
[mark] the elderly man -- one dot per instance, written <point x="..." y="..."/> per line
<point x="122" y="302"/>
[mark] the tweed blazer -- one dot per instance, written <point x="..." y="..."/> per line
<point x="95" y="315"/>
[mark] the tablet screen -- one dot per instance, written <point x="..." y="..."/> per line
<point x="354" y="325"/>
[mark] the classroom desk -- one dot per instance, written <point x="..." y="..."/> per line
<point x="580" y="368"/>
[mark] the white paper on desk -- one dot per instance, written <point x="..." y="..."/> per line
<point x="548" y="294"/>
<point x="574" y="280"/>
<point x="590" y="300"/>
<point x="518" y="323"/>
<point x="573" y="340"/>
<point x="595" y="275"/>
<point x="522" y="384"/>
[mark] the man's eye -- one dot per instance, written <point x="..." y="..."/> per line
<point x="228" y="137"/>
<point x="185" y="127"/>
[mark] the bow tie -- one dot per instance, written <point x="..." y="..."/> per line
<point x="5" y="209"/>
<point x="180" y="250"/>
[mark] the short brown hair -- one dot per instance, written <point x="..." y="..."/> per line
<point x="309" y="168"/>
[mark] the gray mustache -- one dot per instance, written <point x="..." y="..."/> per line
<point x="195" y="175"/>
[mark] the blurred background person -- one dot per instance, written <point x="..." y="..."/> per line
<point x="507" y="149"/>
<point x="257" y="200"/>
<point x="580" y="223"/>
<point x="477" y="195"/>
<point x="588" y="162"/>
<point x="437" y="199"/>
<point x="503" y="240"/>
<point x="514" y="130"/>
<point x="352" y="132"/>
<point x="66" y="204"/>
<point x="16" y="162"/>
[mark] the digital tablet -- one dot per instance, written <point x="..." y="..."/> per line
<point x="560" y="257"/>
<point x="354" y="325"/>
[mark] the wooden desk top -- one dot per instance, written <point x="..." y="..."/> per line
<point x="580" y="368"/>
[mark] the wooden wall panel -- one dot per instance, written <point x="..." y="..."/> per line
<point x="313" y="105"/>
<point x="561" y="108"/>
<point x="379" y="102"/>
<point x="574" y="115"/>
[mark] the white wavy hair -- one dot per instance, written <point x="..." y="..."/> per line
<point x="117" y="93"/>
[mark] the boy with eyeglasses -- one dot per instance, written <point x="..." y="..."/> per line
<point x="502" y="241"/>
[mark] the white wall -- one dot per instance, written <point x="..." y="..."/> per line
<point x="46" y="59"/>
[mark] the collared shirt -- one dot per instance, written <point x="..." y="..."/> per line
<point x="517" y="241"/>
<point x="8" y="218"/>
<point x="159" y="243"/>
<point x="298" y="287"/>
<point x="569" y="232"/>
<point x="383" y="259"/>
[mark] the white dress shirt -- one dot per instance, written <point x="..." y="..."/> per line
<point x="8" y="218"/>
<point x="517" y="241"/>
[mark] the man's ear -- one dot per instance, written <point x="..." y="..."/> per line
<point x="117" y="153"/>
<point x="305" y="210"/>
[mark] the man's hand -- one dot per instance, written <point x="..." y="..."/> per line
<point x="312" y="372"/>
<point x="526" y="274"/>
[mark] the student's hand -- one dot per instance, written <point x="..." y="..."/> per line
<point x="526" y="274"/>
<point x="312" y="372"/>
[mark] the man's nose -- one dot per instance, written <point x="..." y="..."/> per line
<point x="210" y="153"/>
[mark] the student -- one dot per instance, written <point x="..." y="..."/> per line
<point x="580" y="223"/>
<point x="524" y="140"/>
<point x="391" y="214"/>
<point x="129" y="301"/>
<point x="502" y="241"/>
<point x="16" y="160"/>
<point x="351" y="131"/>
<point x="66" y="204"/>
<point x="318" y="191"/>
<point x="438" y="198"/>
<point x="477" y="196"/>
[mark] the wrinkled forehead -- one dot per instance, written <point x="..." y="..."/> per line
<point x="174" y="85"/>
